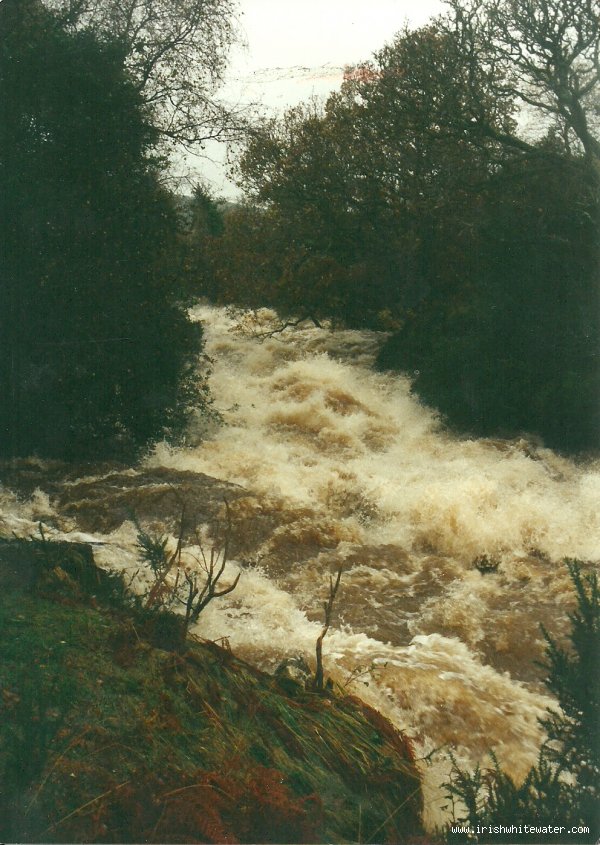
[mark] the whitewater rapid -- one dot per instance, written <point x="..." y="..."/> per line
<point x="347" y="469"/>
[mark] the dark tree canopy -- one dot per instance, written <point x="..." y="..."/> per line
<point x="417" y="199"/>
<point x="521" y="353"/>
<point x="96" y="358"/>
<point x="175" y="52"/>
<point x="359" y="196"/>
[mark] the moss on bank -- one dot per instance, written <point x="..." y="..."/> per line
<point x="105" y="737"/>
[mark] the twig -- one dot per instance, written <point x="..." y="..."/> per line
<point x="55" y="764"/>
<point x="196" y="786"/>
<point x="85" y="806"/>
<point x="288" y="324"/>
<point x="393" y="813"/>
<point x="267" y="334"/>
<point x="44" y="544"/>
<point x="214" y="567"/>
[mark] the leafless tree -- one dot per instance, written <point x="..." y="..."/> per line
<point x="318" y="684"/>
<point x="543" y="53"/>
<point x="177" y="580"/>
<point x="202" y="582"/>
<point x="176" y="51"/>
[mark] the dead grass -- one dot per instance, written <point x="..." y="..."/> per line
<point x="145" y="744"/>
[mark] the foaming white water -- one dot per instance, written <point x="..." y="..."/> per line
<point x="378" y="486"/>
<point x="348" y="469"/>
<point x="306" y="421"/>
<point x="435" y="689"/>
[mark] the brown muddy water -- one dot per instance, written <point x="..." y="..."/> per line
<point x="325" y="463"/>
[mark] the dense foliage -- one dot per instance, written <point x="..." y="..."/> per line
<point x="563" y="788"/>
<point x="175" y="52"/>
<point x="96" y="356"/>
<point x="518" y="351"/>
<point x="424" y="200"/>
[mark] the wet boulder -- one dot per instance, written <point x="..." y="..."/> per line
<point x="293" y="673"/>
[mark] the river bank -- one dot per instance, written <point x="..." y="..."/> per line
<point x="451" y="548"/>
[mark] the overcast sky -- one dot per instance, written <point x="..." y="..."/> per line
<point x="298" y="48"/>
<point x="281" y="33"/>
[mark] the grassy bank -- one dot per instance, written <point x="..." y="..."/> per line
<point x="108" y="735"/>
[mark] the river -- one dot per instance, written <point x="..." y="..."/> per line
<point x="451" y="548"/>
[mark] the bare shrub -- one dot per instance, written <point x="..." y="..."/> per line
<point x="183" y="578"/>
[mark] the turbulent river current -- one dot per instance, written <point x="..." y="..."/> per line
<point x="451" y="548"/>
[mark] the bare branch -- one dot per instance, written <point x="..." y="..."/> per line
<point x="214" y="568"/>
<point x="176" y="52"/>
<point x="547" y="55"/>
<point x="327" y="607"/>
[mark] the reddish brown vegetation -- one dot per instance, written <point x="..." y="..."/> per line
<point x="254" y="805"/>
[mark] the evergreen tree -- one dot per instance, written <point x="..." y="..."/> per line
<point x="517" y="352"/>
<point x="563" y="788"/>
<point x="96" y="356"/>
<point x="574" y="678"/>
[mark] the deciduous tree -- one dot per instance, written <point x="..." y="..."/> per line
<point x="542" y="53"/>
<point x="418" y="199"/>
<point x="175" y="52"/>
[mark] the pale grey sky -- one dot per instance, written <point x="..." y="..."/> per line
<point x="316" y="32"/>
<point x="297" y="48"/>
